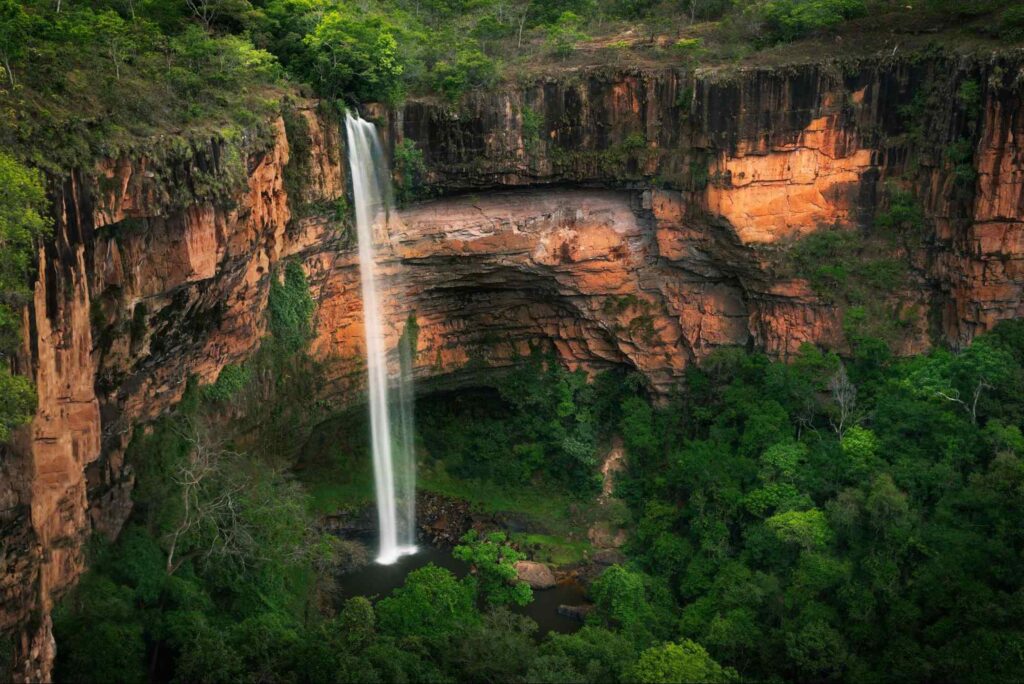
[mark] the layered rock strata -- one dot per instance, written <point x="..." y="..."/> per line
<point x="632" y="219"/>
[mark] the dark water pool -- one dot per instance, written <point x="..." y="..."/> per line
<point x="377" y="581"/>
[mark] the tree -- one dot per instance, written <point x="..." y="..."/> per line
<point x="238" y="523"/>
<point x="209" y="11"/>
<point x="209" y="502"/>
<point x="787" y="20"/>
<point x="494" y="561"/>
<point x="355" y="57"/>
<point x="115" y="34"/>
<point x="859" y="446"/>
<point x="357" y="622"/>
<point x="14" y="23"/>
<point x="498" y="649"/>
<point x="844" y="396"/>
<point x="963" y="379"/>
<point x="807" y="529"/>
<point x="593" y="653"/>
<point x="470" y="68"/>
<point x="101" y="636"/>
<point x="637" y="604"/>
<point x="22" y="225"/>
<point x="672" y="663"/>
<point x="432" y="603"/>
<point x="565" y="33"/>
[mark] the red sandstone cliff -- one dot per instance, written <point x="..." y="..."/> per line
<point x="640" y="224"/>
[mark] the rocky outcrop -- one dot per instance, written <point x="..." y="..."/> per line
<point x="537" y="575"/>
<point x="768" y="154"/>
<point x="618" y="218"/>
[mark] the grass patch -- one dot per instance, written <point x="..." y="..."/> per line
<point x="551" y="509"/>
<point x="332" y="490"/>
<point x="552" y="549"/>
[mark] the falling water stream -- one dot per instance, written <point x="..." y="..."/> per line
<point x="390" y="394"/>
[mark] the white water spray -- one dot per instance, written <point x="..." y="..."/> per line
<point x="390" y="398"/>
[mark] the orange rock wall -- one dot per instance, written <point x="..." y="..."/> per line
<point x="639" y="227"/>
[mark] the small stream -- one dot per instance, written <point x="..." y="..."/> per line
<point x="376" y="581"/>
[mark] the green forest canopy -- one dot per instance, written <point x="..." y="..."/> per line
<point x="819" y="520"/>
<point x="85" y="78"/>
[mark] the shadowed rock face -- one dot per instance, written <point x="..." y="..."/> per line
<point x="639" y="224"/>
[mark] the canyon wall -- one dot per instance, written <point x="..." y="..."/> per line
<point x="636" y="219"/>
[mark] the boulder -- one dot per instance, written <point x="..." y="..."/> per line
<point x="537" y="575"/>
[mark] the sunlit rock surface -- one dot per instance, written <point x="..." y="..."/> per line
<point x="638" y="226"/>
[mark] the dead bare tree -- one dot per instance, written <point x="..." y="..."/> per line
<point x="210" y="500"/>
<point x="204" y="10"/>
<point x="969" y="405"/>
<point x="844" y="394"/>
<point x="522" y="24"/>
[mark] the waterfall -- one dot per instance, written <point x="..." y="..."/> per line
<point x="390" y="396"/>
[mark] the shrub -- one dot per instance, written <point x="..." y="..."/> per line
<point x="688" y="48"/>
<point x="290" y="308"/>
<point x="565" y="33"/>
<point x="470" y="68"/>
<point x="410" y="172"/>
<point x="683" y="662"/>
<point x="230" y="382"/>
<point x="787" y="20"/>
<point x="355" y="55"/>
<point x="1011" y="24"/>
<point x="531" y="127"/>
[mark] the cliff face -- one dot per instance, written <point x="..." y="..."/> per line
<point x="619" y="218"/>
<point x="159" y="270"/>
<point x="762" y="156"/>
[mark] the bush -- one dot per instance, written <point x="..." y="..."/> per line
<point x="1011" y="24"/>
<point x="410" y="172"/>
<point x="683" y="662"/>
<point x="688" y="48"/>
<point x="787" y="20"/>
<point x="565" y="33"/>
<point x="290" y="308"/>
<point x="355" y="55"/>
<point x="470" y="68"/>
<point x="22" y="225"/>
<point x="230" y="382"/>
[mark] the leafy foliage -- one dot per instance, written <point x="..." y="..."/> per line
<point x="230" y="382"/>
<point x="786" y="20"/>
<point x="85" y="79"/>
<point x="769" y="539"/>
<point x="545" y="417"/>
<point x="22" y="226"/>
<point x="683" y="662"/>
<point x="290" y="308"/>
<point x="803" y="551"/>
<point x="495" y="560"/>
<point x="410" y="172"/>
<point x="355" y="54"/>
